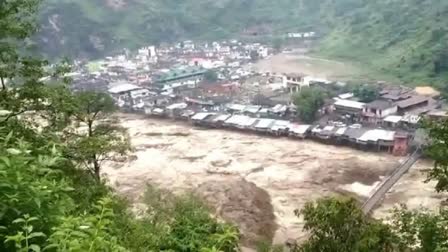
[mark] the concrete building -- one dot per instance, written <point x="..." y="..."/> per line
<point x="374" y="112"/>
<point x="294" y="82"/>
<point x="349" y="107"/>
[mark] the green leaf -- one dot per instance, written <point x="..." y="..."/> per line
<point x="6" y="161"/>
<point x="36" y="234"/>
<point x="37" y="201"/>
<point x="54" y="151"/>
<point x="34" y="248"/>
<point x="50" y="247"/>
<point x="19" y="220"/>
<point x="13" y="151"/>
<point x="8" y="137"/>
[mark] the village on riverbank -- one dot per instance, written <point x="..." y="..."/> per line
<point x="215" y="85"/>
<point x="203" y="118"/>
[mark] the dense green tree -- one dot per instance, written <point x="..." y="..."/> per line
<point x="339" y="225"/>
<point x="420" y="230"/>
<point x="308" y="102"/>
<point x="46" y="201"/>
<point x="97" y="136"/>
<point x="366" y="93"/>
<point x="179" y="223"/>
<point x="437" y="150"/>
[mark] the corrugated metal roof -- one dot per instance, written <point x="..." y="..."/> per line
<point x="236" y="107"/>
<point x="252" y="109"/>
<point x="264" y="123"/>
<point x="280" y="124"/>
<point x="354" y="133"/>
<point x="377" y="134"/>
<point x="236" y="119"/>
<point x="201" y="116"/>
<point x="393" y="119"/>
<point x="123" y="88"/>
<point x="248" y="122"/>
<point x="221" y="118"/>
<point x="412" y="101"/>
<point x="299" y="129"/>
<point x="350" y="104"/>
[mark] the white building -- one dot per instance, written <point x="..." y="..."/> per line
<point x="263" y="52"/>
<point x="294" y="82"/>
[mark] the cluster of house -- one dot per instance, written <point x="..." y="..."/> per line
<point x="355" y="135"/>
<point x="387" y="123"/>
<point x="258" y="119"/>
<point x="396" y="107"/>
<point x="168" y="68"/>
<point x="171" y="81"/>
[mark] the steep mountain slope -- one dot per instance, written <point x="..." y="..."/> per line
<point x="89" y="27"/>
<point x="404" y="37"/>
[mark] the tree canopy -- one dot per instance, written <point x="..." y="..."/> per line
<point x="437" y="150"/>
<point x="52" y="143"/>
<point x="366" y="93"/>
<point x="308" y="102"/>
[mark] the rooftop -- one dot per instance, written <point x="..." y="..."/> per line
<point x="299" y="129"/>
<point x="201" y="116"/>
<point x="264" y="123"/>
<point x="349" y="104"/>
<point x="377" y="134"/>
<point x="380" y="104"/>
<point x="412" y="101"/>
<point x="180" y="73"/>
<point x="123" y="88"/>
<point x="393" y="119"/>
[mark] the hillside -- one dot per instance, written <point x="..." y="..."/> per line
<point x="407" y="38"/>
<point x="90" y="27"/>
<point x="403" y="37"/>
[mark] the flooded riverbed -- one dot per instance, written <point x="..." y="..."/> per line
<point x="256" y="181"/>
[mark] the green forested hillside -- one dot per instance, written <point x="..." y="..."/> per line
<point x="405" y="37"/>
<point x="399" y="36"/>
<point x="90" y="27"/>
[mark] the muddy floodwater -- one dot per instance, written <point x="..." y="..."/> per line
<point x="257" y="181"/>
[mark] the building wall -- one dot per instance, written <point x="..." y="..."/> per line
<point x="401" y="146"/>
<point x="347" y="110"/>
<point x="389" y="111"/>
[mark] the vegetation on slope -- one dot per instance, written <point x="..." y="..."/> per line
<point x="52" y="198"/>
<point x="52" y="142"/>
<point x="404" y="37"/>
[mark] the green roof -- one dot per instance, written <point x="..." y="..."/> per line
<point x="181" y="73"/>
